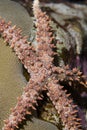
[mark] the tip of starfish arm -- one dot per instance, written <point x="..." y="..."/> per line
<point x="36" y="3"/>
<point x="35" y="7"/>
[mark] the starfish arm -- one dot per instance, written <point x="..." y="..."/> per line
<point x="56" y="93"/>
<point x="73" y="78"/>
<point x="23" y="49"/>
<point x="44" y="36"/>
<point x="26" y="103"/>
<point x="64" y="105"/>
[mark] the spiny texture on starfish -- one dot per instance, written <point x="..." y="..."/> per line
<point x="43" y="74"/>
<point x="72" y="77"/>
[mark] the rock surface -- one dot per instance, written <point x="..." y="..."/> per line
<point x="12" y="11"/>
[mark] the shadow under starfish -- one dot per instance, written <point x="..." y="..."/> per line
<point x="44" y="75"/>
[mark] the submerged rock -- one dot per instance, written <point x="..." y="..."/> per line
<point x="12" y="11"/>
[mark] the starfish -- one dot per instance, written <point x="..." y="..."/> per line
<point x="44" y="75"/>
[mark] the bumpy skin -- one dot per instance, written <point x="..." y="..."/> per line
<point x="73" y="78"/>
<point x="43" y="74"/>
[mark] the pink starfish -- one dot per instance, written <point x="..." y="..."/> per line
<point x="44" y="75"/>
